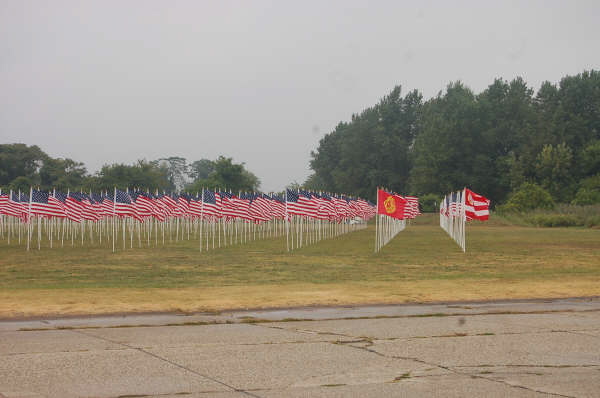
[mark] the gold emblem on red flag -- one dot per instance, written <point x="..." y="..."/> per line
<point x="390" y="205"/>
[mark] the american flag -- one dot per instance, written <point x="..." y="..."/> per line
<point x="291" y="203"/>
<point x="95" y="203"/>
<point x="124" y="206"/>
<point x="3" y="203"/>
<point x="195" y="206"/>
<point x="412" y="206"/>
<point x="107" y="205"/>
<point x="89" y="209"/>
<point x="277" y="206"/>
<point x="143" y="203"/>
<point x="43" y="204"/>
<point x="453" y="206"/>
<point x="367" y="211"/>
<point x="260" y="207"/>
<point x="210" y="204"/>
<point x="169" y="201"/>
<point x="326" y="207"/>
<point x="242" y="203"/>
<point x="73" y="207"/>
<point x="230" y="206"/>
<point x="341" y="207"/>
<point x="183" y="205"/>
<point x="309" y="204"/>
<point x="16" y="205"/>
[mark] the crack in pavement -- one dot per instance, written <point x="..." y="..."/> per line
<point x="169" y="362"/>
<point x="582" y="333"/>
<point x="502" y="365"/>
<point x="449" y="369"/>
<point x="371" y="341"/>
<point x="245" y="320"/>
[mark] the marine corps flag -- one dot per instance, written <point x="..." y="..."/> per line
<point x="390" y="205"/>
<point x="395" y="208"/>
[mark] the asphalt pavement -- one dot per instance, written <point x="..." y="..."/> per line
<point x="502" y="349"/>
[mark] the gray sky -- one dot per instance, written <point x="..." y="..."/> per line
<point x="260" y="81"/>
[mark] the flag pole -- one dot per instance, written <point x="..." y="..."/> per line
<point x="201" y="218"/>
<point x="29" y="217"/>
<point x="377" y="222"/>
<point x="464" y="220"/>
<point x="113" y="218"/>
<point x="287" y="223"/>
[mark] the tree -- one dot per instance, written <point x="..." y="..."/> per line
<point x="200" y="169"/>
<point x="177" y="170"/>
<point x="374" y="149"/>
<point x="553" y="169"/>
<point x="227" y="175"/>
<point x="589" y="191"/>
<point x="21" y="183"/>
<point x="528" y="197"/>
<point x="143" y="175"/>
<point x="20" y="160"/>
<point x="446" y="150"/>
<point x="62" y="174"/>
<point x="590" y="159"/>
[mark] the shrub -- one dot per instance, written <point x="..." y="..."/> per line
<point x="553" y="220"/>
<point x="589" y="192"/>
<point x="429" y="203"/>
<point x="528" y="197"/>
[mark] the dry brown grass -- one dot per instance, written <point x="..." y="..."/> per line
<point x="25" y="303"/>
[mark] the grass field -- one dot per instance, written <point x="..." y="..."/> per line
<point x="421" y="264"/>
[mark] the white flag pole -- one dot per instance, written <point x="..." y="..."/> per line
<point x="377" y="224"/>
<point x="29" y="217"/>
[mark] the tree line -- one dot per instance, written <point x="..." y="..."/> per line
<point x="505" y="140"/>
<point x="497" y="142"/>
<point x="23" y="166"/>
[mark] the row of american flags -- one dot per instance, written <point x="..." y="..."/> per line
<point x="212" y="216"/>
<point x="141" y="206"/>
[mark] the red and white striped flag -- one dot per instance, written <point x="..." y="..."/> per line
<point x="477" y="207"/>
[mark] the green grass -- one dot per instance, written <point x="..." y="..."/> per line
<point x="422" y="252"/>
<point x="562" y="216"/>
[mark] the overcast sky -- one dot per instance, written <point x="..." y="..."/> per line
<point x="259" y="81"/>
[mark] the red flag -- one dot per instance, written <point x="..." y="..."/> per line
<point x="477" y="207"/>
<point x="390" y="205"/>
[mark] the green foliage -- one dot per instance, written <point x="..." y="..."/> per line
<point x="22" y="167"/>
<point x="20" y="160"/>
<point x="313" y="182"/>
<point x="560" y="216"/>
<point x="444" y="147"/>
<point x="590" y="158"/>
<point x="552" y="220"/>
<point x="553" y="168"/>
<point x="589" y="192"/>
<point x="528" y="197"/>
<point x="143" y="175"/>
<point x="21" y="183"/>
<point x="201" y="169"/>
<point x="227" y="175"/>
<point x="176" y="169"/>
<point x="372" y="150"/>
<point x="494" y="141"/>
<point x="430" y="203"/>
<point x="62" y="174"/>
